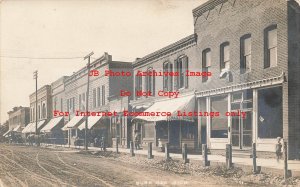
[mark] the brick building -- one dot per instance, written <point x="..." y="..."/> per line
<point x="18" y="118"/>
<point x="101" y="88"/>
<point x="44" y="110"/>
<point x="52" y="130"/>
<point x="177" y="57"/>
<point x="252" y="50"/>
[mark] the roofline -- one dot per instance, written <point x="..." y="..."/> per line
<point x="206" y="6"/>
<point x="168" y="49"/>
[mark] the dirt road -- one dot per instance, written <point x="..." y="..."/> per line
<point x="30" y="166"/>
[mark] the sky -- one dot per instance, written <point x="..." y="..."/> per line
<point x="126" y="29"/>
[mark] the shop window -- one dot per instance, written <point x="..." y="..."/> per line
<point x="225" y="56"/>
<point x="270" y="36"/>
<point x="219" y="124"/>
<point x="188" y="131"/>
<point x="206" y="63"/>
<point x="245" y="53"/>
<point x="270" y="113"/>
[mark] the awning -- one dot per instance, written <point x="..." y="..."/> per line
<point x="17" y="128"/>
<point x="92" y="120"/>
<point x="72" y="123"/>
<point x="182" y="104"/>
<point x="30" y="128"/>
<point x="51" y="124"/>
<point x="6" y="134"/>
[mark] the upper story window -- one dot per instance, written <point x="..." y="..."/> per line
<point x="150" y="82"/>
<point x="206" y="62"/>
<point x="225" y="56"/>
<point x="61" y="104"/>
<point x="168" y="80"/>
<point x="270" y="35"/>
<point x="246" y="53"/>
<point x="103" y="95"/>
<point x="94" y="98"/>
<point x="43" y="110"/>
<point x="98" y="97"/>
<point x="55" y="103"/>
<point x="138" y="84"/>
<point x="182" y="67"/>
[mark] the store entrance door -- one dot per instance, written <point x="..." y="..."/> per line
<point x="242" y="130"/>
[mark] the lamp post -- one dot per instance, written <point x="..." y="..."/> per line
<point x="87" y="99"/>
<point x="35" y="76"/>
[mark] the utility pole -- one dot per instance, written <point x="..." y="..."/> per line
<point x="35" y="76"/>
<point x="87" y="98"/>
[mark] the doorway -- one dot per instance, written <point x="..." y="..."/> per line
<point x="241" y="126"/>
<point x="242" y="131"/>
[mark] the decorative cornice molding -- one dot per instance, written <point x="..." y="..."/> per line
<point x="168" y="49"/>
<point x="244" y="86"/>
<point x="209" y="5"/>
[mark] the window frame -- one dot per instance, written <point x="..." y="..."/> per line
<point x="205" y="66"/>
<point x="222" y="56"/>
<point x="267" y="60"/>
<point x="243" y="55"/>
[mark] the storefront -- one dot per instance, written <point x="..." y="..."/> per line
<point x="168" y="128"/>
<point x="248" y="113"/>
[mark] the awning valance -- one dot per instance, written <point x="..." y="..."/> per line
<point x="51" y="124"/>
<point x="30" y="128"/>
<point x="92" y="120"/>
<point x="17" y="128"/>
<point x="6" y="134"/>
<point x="73" y="123"/>
<point x="182" y="104"/>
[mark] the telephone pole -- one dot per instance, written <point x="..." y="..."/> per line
<point x="87" y="99"/>
<point x="35" y="76"/>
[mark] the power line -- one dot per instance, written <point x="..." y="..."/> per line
<point x="42" y="58"/>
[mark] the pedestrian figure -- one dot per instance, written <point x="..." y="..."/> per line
<point x="137" y="140"/>
<point x="96" y="142"/>
<point x="103" y="146"/>
<point x="278" y="149"/>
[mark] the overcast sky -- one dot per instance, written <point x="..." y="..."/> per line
<point x="126" y="29"/>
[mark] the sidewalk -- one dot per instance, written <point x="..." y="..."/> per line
<point x="270" y="165"/>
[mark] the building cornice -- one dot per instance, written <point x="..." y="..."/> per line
<point x="191" y="39"/>
<point x="244" y="86"/>
<point x="209" y="5"/>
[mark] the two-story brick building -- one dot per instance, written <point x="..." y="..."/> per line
<point x="101" y="88"/>
<point x="52" y="130"/>
<point x="180" y="57"/>
<point x="44" y="109"/>
<point x="251" y="49"/>
<point x="18" y="118"/>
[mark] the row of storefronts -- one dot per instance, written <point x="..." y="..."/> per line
<point x="252" y="95"/>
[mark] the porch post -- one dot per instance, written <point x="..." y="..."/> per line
<point x="199" y="142"/>
<point x="229" y="120"/>
<point x="208" y="123"/>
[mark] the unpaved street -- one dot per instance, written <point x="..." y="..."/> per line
<point x="30" y="166"/>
